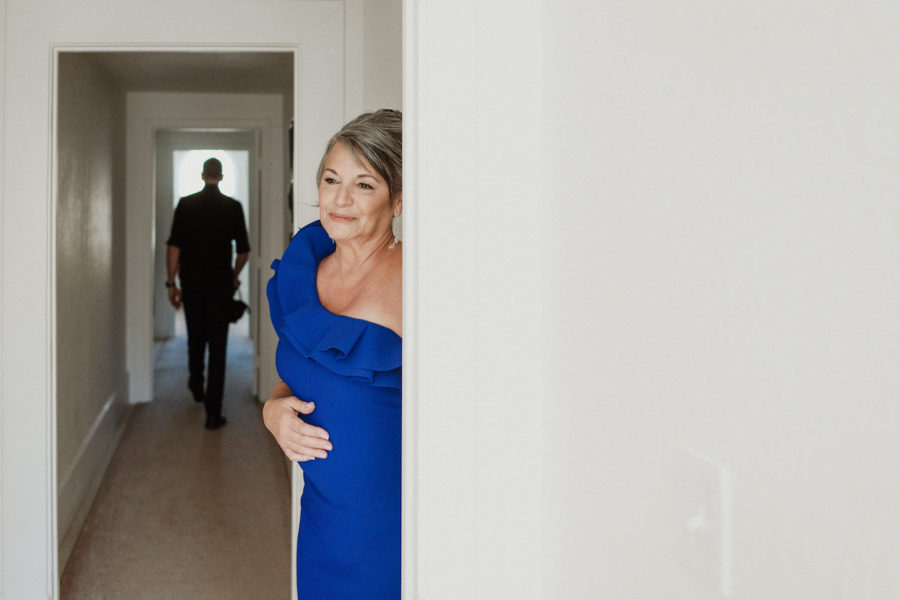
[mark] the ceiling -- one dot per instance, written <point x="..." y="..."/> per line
<point x="210" y="72"/>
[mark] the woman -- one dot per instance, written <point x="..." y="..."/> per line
<point x="335" y="301"/>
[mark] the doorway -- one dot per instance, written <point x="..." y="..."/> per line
<point x="113" y="212"/>
<point x="323" y="47"/>
<point x="179" y="158"/>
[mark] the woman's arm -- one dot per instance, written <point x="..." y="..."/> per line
<point x="299" y="440"/>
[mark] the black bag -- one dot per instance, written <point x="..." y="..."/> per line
<point x="237" y="308"/>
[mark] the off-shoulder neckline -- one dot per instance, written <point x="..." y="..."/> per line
<point x="315" y="287"/>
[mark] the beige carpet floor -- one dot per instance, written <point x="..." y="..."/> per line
<point x="186" y="513"/>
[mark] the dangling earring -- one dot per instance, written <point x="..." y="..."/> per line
<point x="394" y="227"/>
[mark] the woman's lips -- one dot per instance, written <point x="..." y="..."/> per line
<point x="340" y="218"/>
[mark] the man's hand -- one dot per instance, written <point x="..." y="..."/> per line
<point x="173" y="256"/>
<point x="175" y="297"/>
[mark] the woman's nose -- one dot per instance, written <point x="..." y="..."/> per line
<point x="343" y="196"/>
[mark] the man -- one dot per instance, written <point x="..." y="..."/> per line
<point x="199" y="252"/>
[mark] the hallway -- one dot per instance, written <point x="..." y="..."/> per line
<point x="186" y="513"/>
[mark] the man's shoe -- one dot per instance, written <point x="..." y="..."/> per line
<point x="214" y="422"/>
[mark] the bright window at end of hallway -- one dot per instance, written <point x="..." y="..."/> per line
<point x="189" y="165"/>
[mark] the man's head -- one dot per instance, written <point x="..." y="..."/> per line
<point x="212" y="171"/>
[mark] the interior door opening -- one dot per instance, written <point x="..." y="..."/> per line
<point x="127" y="123"/>
<point x="179" y="159"/>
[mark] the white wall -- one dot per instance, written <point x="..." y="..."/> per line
<point x="383" y="59"/>
<point x="719" y="270"/>
<point x="2" y="203"/>
<point x="373" y="55"/>
<point x="732" y="284"/>
<point x="90" y="323"/>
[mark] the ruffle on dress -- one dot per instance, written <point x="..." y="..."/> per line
<point x="355" y="348"/>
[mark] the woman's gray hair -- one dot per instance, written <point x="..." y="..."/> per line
<point x="378" y="138"/>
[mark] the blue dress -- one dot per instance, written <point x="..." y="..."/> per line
<point x="348" y="546"/>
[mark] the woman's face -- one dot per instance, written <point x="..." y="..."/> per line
<point x="354" y="200"/>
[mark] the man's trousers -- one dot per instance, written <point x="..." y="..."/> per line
<point x="206" y="316"/>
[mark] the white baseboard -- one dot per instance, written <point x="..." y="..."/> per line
<point x="80" y="483"/>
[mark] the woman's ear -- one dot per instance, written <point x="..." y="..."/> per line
<point x="398" y="204"/>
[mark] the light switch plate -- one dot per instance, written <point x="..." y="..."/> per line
<point x="703" y="511"/>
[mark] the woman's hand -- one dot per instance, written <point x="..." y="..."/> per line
<point x="299" y="440"/>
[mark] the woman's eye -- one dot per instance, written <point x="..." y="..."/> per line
<point x="366" y="186"/>
<point x="330" y="180"/>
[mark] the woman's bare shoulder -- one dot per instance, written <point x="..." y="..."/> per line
<point x="377" y="299"/>
<point x="387" y="295"/>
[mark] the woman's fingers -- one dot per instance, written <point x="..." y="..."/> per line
<point x="295" y="451"/>
<point x="314" y="446"/>
<point x="298" y="455"/>
<point x="304" y="408"/>
<point x="299" y="440"/>
<point x="304" y="428"/>
<point x="305" y="439"/>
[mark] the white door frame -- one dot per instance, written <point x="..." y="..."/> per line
<point x="409" y="513"/>
<point x="473" y="215"/>
<point x="148" y="113"/>
<point x="35" y="37"/>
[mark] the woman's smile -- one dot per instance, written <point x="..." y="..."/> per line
<point x="341" y="218"/>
